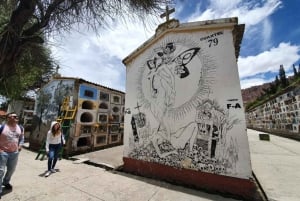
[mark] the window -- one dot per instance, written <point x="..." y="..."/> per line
<point x="83" y="141"/>
<point x="103" y="106"/>
<point x="86" y="129"/>
<point x="116" y="118"/>
<point x="102" y="118"/>
<point x="104" y="96"/>
<point x="114" y="138"/>
<point x="103" y="128"/>
<point x="89" y="93"/>
<point x="86" y="117"/>
<point x="101" y="140"/>
<point x="114" y="128"/>
<point x="116" y="109"/>
<point x="116" y="99"/>
<point x="87" y="105"/>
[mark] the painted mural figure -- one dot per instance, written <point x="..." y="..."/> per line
<point x="163" y="68"/>
<point x="191" y="131"/>
<point x="134" y="130"/>
<point x="137" y="121"/>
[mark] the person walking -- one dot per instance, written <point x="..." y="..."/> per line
<point x="55" y="140"/>
<point x="11" y="141"/>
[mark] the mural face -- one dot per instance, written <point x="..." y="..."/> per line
<point x="185" y="104"/>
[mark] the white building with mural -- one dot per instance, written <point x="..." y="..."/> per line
<point x="184" y="118"/>
<point x="94" y="113"/>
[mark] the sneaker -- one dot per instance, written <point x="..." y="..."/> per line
<point x="47" y="173"/>
<point x="8" y="186"/>
<point x="53" y="170"/>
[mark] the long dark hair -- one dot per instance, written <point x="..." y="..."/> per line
<point x="55" y="131"/>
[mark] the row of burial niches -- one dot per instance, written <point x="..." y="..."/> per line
<point x="103" y="108"/>
<point x="98" y="135"/>
<point x="100" y="121"/>
<point x="106" y="102"/>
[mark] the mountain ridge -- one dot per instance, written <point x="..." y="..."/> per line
<point x="252" y="93"/>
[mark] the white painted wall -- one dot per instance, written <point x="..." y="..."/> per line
<point x="196" y="121"/>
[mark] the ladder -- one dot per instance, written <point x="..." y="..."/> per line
<point x="65" y="118"/>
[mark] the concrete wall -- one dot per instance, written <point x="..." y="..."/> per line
<point x="278" y="114"/>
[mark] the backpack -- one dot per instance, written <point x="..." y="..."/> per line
<point x="2" y="127"/>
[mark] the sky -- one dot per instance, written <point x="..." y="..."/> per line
<point x="271" y="39"/>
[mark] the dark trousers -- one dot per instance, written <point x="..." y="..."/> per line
<point x="53" y="155"/>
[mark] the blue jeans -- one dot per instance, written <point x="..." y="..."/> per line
<point x="8" y="161"/>
<point x="53" y="155"/>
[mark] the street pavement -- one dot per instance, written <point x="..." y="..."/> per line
<point x="274" y="163"/>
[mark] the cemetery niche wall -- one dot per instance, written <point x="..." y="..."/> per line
<point x="96" y="123"/>
<point x="184" y="115"/>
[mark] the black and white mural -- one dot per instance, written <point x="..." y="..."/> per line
<point x="184" y="106"/>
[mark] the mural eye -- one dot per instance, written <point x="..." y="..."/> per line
<point x="151" y="64"/>
<point x="170" y="47"/>
<point x="178" y="60"/>
<point x="188" y="55"/>
<point x="160" y="54"/>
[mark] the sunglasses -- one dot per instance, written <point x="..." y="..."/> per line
<point x="15" y="117"/>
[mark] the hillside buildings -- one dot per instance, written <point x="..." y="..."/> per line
<point x="281" y="113"/>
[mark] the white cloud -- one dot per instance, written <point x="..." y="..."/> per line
<point x="246" y="83"/>
<point x="269" y="61"/>
<point x="99" y="58"/>
<point x="249" y="13"/>
<point x="266" y="34"/>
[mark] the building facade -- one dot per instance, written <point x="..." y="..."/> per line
<point x="96" y="114"/>
<point x="184" y="118"/>
<point x="281" y="113"/>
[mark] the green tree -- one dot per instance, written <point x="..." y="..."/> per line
<point x="273" y="88"/>
<point x="31" y="68"/>
<point x="295" y="71"/>
<point x="277" y="82"/>
<point x="282" y="77"/>
<point x="30" y="20"/>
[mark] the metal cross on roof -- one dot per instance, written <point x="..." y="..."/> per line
<point x="167" y="13"/>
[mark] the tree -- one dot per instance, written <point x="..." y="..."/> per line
<point x="30" y="20"/>
<point x="273" y="88"/>
<point x="282" y="77"/>
<point x="33" y="66"/>
<point x="277" y="82"/>
<point x="295" y="71"/>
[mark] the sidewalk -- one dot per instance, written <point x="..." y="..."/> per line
<point x="276" y="165"/>
<point x="82" y="182"/>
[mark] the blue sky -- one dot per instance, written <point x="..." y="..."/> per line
<point x="271" y="38"/>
